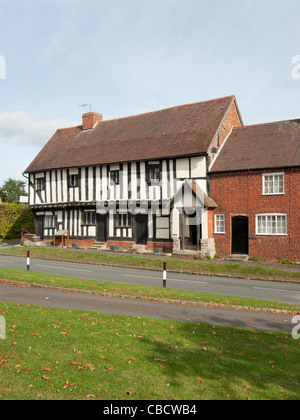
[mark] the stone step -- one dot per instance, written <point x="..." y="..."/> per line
<point x="98" y="246"/>
<point x="239" y="257"/>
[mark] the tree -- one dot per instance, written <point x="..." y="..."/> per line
<point x="11" y="190"/>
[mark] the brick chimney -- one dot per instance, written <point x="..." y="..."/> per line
<point x="90" y="119"/>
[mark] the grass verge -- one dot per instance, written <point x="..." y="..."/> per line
<point x="138" y="290"/>
<point x="59" y="354"/>
<point x="198" y="266"/>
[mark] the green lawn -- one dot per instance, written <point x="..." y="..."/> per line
<point x="194" y="266"/>
<point x="53" y="354"/>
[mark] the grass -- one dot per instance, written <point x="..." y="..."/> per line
<point x="138" y="290"/>
<point x="198" y="266"/>
<point x="55" y="354"/>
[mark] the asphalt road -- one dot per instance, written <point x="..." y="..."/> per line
<point x="268" y="290"/>
<point x="118" y="306"/>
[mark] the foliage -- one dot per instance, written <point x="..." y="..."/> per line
<point x="15" y="219"/>
<point x="254" y="259"/>
<point x="286" y="261"/>
<point x="11" y="190"/>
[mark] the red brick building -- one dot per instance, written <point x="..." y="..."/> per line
<point x="255" y="181"/>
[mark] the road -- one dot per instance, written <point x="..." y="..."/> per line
<point x="274" y="291"/>
<point x="130" y="307"/>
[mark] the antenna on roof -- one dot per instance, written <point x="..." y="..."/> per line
<point x="85" y="106"/>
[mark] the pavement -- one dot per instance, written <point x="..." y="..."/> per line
<point x="6" y="243"/>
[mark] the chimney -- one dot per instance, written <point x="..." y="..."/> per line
<point x="90" y="119"/>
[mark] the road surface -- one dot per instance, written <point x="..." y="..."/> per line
<point x="136" y="307"/>
<point x="267" y="290"/>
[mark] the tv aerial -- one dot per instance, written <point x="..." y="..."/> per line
<point x="85" y="106"/>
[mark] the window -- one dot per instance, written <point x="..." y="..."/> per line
<point x="271" y="224"/>
<point x="74" y="180"/>
<point x="50" y="222"/>
<point x="89" y="218"/>
<point x="153" y="174"/>
<point x="40" y="184"/>
<point x="219" y="223"/>
<point x="273" y="184"/>
<point x="115" y="177"/>
<point x="124" y="220"/>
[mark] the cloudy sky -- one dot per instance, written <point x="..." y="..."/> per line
<point x="127" y="57"/>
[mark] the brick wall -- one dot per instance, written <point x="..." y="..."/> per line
<point x="240" y="194"/>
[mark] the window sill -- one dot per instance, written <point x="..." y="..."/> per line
<point x="271" y="234"/>
<point x="272" y="194"/>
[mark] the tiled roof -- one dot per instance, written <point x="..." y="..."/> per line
<point x="262" y="146"/>
<point x="178" y="131"/>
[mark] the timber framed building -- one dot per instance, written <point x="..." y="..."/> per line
<point x="123" y="182"/>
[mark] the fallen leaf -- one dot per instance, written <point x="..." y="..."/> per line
<point x="129" y="392"/>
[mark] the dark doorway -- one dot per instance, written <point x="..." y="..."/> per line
<point x="39" y="226"/>
<point x="240" y="235"/>
<point x="101" y="227"/>
<point x="141" y="229"/>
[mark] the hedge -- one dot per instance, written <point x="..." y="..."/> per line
<point x="15" y="219"/>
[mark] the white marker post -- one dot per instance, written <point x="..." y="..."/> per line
<point x="28" y="260"/>
<point x="165" y="275"/>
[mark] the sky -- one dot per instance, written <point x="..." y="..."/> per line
<point x="129" y="57"/>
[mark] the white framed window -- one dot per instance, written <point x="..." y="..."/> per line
<point x="219" y="223"/>
<point x="273" y="184"/>
<point x="271" y="224"/>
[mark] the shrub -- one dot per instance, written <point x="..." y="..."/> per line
<point x="15" y="219"/>
<point x="286" y="261"/>
<point x="217" y="256"/>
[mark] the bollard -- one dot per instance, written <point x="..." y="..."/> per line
<point x="165" y="274"/>
<point x="28" y="260"/>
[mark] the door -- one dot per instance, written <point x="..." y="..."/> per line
<point x="240" y="235"/>
<point x="39" y="226"/>
<point x="101" y="227"/>
<point x="141" y="229"/>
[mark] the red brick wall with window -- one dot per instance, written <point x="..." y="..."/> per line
<point x="241" y="194"/>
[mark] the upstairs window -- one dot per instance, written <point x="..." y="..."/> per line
<point x="153" y="174"/>
<point x="74" y="180"/>
<point x="40" y="184"/>
<point x="273" y="184"/>
<point x="115" y="177"/>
